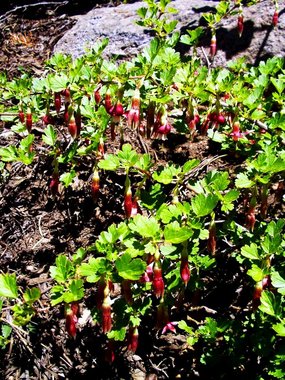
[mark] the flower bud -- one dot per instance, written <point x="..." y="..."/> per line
<point x="157" y="282"/>
<point x="95" y="185"/>
<point x="133" y="339"/>
<point x="211" y="244"/>
<point x="240" y="24"/>
<point x="128" y="203"/>
<point x="107" y="101"/>
<point x="29" y="120"/>
<point x="213" y="46"/>
<point x="106" y="311"/>
<point x="57" y="102"/>
<point x="185" y="270"/>
<point x="21" y="115"/>
<point x="72" y="127"/>
<point x="275" y="18"/>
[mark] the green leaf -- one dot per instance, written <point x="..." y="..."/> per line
<point x="193" y="36"/>
<point x="231" y="196"/>
<point x="228" y="199"/>
<point x="255" y="273"/>
<point x="142" y="12"/>
<point x="222" y="7"/>
<point x="167" y="249"/>
<point x="8" y="154"/>
<point x="75" y="291"/>
<point x="110" y="162"/>
<point x="175" y="234"/>
<point x="144" y="226"/>
<point x="49" y="136"/>
<point x="218" y="181"/>
<point x="128" y="156"/>
<point x="59" y="83"/>
<point x="6" y="331"/>
<point x="279" y="328"/>
<point x="63" y="269"/>
<point x="183" y="326"/>
<point x="26" y="143"/>
<point x="275" y="228"/>
<point x="190" y="165"/>
<point x="144" y="162"/>
<point x="128" y="268"/>
<point x="279" y="83"/>
<point x="170" y="26"/>
<point x="79" y="255"/>
<point x="250" y="251"/>
<point x="253" y="97"/>
<point x="94" y="269"/>
<point x="166" y="175"/>
<point x="153" y="197"/>
<point x="203" y="205"/>
<point x="278" y="282"/>
<point x="117" y="334"/>
<point x="268" y="304"/>
<point x="271" y="245"/>
<point x="242" y="181"/>
<point x="8" y="286"/>
<point x="57" y="294"/>
<point x="32" y="295"/>
<point x="67" y="178"/>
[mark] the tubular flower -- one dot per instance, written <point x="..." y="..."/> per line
<point x="29" y="120"/>
<point x="106" y="311"/>
<point x="213" y="46"/>
<point x="95" y="185"/>
<point x="71" y="317"/>
<point x="236" y="133"/>
<point x="240" y="24"/>
<point x="211" y="244"/>
<point x="185" y="270"/>
<point x="157" y="282"/>
<point x="128" y="203"/>
<point x="57" y="102"/>
<point x="133" y="339"/>
<point x="134" y="113"/>
<point x="161" y="126"/>
<point x="275" y="17"/>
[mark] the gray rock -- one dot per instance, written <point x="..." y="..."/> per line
<point x="126" y="38"/>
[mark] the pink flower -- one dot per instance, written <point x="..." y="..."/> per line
<point x="236" y="133"/>
<point x="133" y="117"/>
<point x="170" y="326"/>
<point x="148" y="275"/>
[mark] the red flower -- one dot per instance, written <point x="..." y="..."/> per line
<point x="71" y="314"/>
<point x="240" y="24"/>
<point x="57" y="102"/>
<point x="54" y="184"/>
<point x="106" y="315"/>
<point x="95" y="186"/>
<point x="211" y="244"/>
<point x="157" y="281"/>
<point x="128" y="202"/>
<point x="185" y="270"/>
<point x="148" y="275"/>
<point x="133" y="339"/>
<point x="275" y="18"/>
<point x="134" y="113"/>
<point x="213" y="46"/>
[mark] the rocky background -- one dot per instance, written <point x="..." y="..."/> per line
<point x="259" y="40"/>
